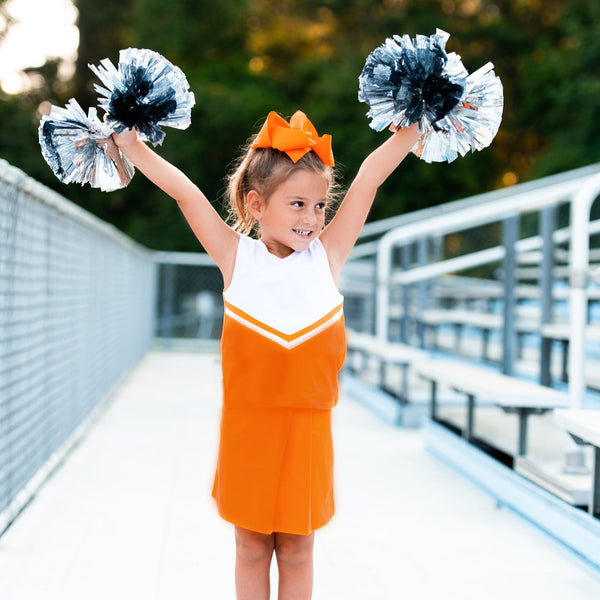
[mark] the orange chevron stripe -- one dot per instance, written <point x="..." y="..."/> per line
<point x="272" y="330"/>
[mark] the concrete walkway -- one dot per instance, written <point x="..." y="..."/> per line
<point x="129" y="515"/>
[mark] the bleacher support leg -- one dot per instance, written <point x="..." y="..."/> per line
<point x="404" y="383"/>
<point x="523" y="415"/>
<point x="594" y="508"/>
<point x="485" y="342"/>
<point x="468" y="433"/>
<point x="433" y="405"/>
<point x="565" y="361"/>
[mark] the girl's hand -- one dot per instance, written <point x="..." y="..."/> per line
<point x="418" y="140"/>
<point x="126" y="138"/>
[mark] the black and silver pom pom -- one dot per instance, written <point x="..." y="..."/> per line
<point x="79" y="149"/>
<point x="408" y="81"/>
<point x="145" y="92"/>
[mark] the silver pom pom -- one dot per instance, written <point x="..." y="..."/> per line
<point x="471" y="125"/>
<point x="79" y="149"/>
<point x="145" y="92"/>
<point x="408" y="81"/>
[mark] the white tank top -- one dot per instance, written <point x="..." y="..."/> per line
<point x="287" y="294"/>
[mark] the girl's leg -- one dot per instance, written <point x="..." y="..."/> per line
<point x="253" y="553"/>
<point x="295" y="563"/>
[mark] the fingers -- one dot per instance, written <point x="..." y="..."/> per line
<point x="125" y="138"/>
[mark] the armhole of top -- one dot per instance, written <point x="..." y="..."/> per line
<point x="324" y="252"/>
<point x="240" y="241"/>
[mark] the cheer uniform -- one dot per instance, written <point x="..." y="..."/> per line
<point x="282" y="346"/>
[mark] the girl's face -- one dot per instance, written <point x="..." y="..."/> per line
<point x="294" y="214"/>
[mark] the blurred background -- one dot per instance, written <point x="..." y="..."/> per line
<point x="246" y="57"/>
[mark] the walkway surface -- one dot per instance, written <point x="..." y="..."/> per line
<point x="129" y="515"/>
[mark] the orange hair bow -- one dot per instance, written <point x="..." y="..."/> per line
<point x="296" y="138"/>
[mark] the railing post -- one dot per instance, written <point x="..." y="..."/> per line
<point x="548" y="222"/>
<point x="424" y="284"/>
<point x="371" y="317"/>
<point x="437" y="248"/>
<point x="405" y="262"/>
<point x="578" y="267"/>
<point x="510" y="235"/>
<point x="384" y="270"/>
<point x="168" y="295"/>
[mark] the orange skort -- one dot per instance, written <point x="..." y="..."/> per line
<point x="275" y="469"/>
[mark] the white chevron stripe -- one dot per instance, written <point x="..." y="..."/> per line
<point x="279" y="340"/>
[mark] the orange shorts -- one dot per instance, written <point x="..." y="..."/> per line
<point x="275" y="469"/>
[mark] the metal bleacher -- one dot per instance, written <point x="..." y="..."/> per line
<point x="510" y="325"/>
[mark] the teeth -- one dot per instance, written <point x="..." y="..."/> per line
<point x="302" y="232"/>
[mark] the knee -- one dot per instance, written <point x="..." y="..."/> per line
<point x="253" y="546"/>
<point x="294" y="549"/>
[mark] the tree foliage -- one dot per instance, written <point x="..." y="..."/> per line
<point x="246" y="57"/>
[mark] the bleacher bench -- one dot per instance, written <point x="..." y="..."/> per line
<point x="584" y="427"/>
<point x="485" y="322"/>
<point x="561" y="332"/>
<point x="385" y="353"/>
<point x="509" y="393"/>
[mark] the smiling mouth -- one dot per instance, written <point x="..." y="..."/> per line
<point x="303" y="232"/>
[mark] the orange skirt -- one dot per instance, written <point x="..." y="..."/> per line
<point x="275" y="469"/>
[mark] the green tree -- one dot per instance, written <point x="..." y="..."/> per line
<point x="244" y="58"/>
<point x="563" y="109"/>
<point x="103" y="29"/>
<point x="20" y="114"/>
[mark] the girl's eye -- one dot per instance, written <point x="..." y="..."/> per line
<point x="300" y="204"/>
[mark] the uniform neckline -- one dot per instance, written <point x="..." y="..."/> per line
<point x="274" y="256"/>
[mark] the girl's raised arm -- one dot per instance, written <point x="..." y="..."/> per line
<point x="341" y="234"/>
<point x="218" y="239"/>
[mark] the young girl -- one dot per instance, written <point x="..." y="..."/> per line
<point x="283" y="334"/>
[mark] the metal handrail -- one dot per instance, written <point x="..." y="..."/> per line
<point x="578" y="263"/>
<point x="580" y="192"/>
<point x="575" y="177"/>
<point x="480" y="257"/>
<point x="489" y="212"/>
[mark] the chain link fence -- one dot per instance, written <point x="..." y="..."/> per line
<point x="77" y="307"/>
<point x="190" y="298"/>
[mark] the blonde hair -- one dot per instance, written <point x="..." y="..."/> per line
<point x="263" y="170"/>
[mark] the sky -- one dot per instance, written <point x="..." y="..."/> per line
<point x="45" y="28"/>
